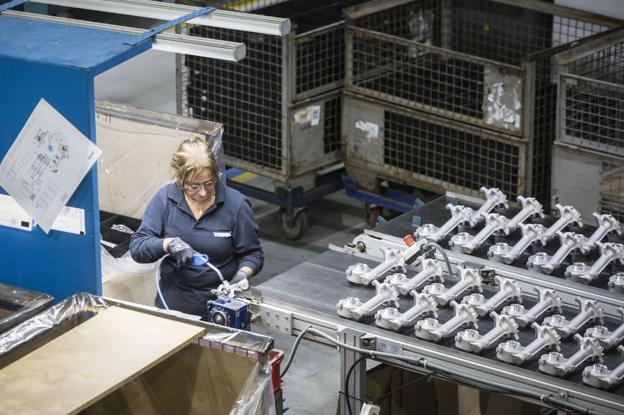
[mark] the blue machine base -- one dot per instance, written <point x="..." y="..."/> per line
<point x="390" y="198"/>
<point x="289" y="199"/>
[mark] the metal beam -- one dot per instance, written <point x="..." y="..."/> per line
<point x="166" y="11"/>
<point x="168" y="42"/>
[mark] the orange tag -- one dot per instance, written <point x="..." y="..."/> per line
<point x="409" y="240"/>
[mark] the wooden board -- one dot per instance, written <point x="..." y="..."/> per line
<point x="79" y="367"/>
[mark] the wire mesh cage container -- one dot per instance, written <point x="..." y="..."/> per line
<point x="280" y="106"/>
<point x="483" y="63"/>
<point x="591" y="95"/>
<point x="590" y="180"/>
<point x="428" y="151"/>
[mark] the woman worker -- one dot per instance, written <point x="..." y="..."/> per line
<point x="197" y="212"/>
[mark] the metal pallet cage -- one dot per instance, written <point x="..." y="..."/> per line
<point x="591" y="95"/>
<point x="429" y="151"/>
<point x="281" y="105"/>
<point x="593" y="181"/>
<point x="483" y="63"/>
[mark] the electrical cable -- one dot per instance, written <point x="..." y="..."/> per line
<point x="440" y="369"/>
<point x="346" y="385"/>
<point x="293" y="351"/>
<point x="434" y="244"/>
<point x="157" y="278"/>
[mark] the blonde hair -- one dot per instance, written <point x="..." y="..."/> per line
<point x="193" y="155"/>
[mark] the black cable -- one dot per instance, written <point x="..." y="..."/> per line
<point x="432" y="243"/>
<point x="346" y="385"/>
<point x="508" y="389"/>
<point x="405" y="385"/>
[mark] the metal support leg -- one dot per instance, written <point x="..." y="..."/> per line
<point x="356" y="389"/>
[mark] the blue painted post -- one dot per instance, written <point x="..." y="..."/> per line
<point x="57" y="63"/>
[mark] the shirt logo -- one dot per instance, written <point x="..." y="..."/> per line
<point x="222" y="234"/>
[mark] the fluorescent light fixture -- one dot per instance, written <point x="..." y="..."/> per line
<point x="168" y="42"/>
<point x="166" y="11"/>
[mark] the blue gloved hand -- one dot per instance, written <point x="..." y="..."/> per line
<point x="181" y="252"/>
<point x="240" y="275"/>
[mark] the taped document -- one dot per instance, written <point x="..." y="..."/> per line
<point x="46" y="163"/>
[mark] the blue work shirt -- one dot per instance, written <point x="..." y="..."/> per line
<point x="226" y="232"/>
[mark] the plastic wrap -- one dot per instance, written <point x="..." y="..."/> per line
<point x="227" y="371"/>
<point x="123" y="266"/>
<point x="21" y="304"/>
<point x="137" y="146"/>
<point x="502" y="106"/>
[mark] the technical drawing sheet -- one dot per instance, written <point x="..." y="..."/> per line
<point x="46" y="163"/>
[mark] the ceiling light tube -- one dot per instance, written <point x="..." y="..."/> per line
<point x="167" y="42"/>
<point x="166" y="11"/>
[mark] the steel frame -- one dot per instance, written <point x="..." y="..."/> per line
<point x="469" y="366"/>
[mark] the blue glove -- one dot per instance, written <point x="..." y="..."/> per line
<point x="181" y="252"/>
<point x="240" y="275"/>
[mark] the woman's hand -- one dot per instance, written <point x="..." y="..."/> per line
<point x="180" y="251"/>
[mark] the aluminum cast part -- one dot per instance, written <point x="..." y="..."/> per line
<point x="458" y="241"/>
<point x="548" y="301"/>
<point x="362" y="274"/>
<point x="396" y="279"/>
<point x="567" y="215"/>
<point x="459" y="214"/>
<point x="599" y="375"/>
<point x="569" y="242"/>
<point x="537" y="261"/>
<point x="431" y="329"/>
<point x="493" y="222"/>
<point x="507" y="289"/>
<point x="493" y="198"/>
<point x="576" y="270"/>
<point x="606" y="223"/>
<point x="554" y="363"/>
<point x="353" y="309"/>
<point x="609" y="252"/>
<point x="530" y="234"/>
<point x="431" y="270"/>
<point x="471" y="341"/>
<point x="392" y="319"/>
<point x="497" y="251"/>
<point x="616" y="282"/>
<point x="530" y="207"/>
<point x="225" y="289"/>
<point x="589" y="311"/>
<point x="608" y="339"/>
<point x="469" y="279"/>
<point x="513" y="352"/>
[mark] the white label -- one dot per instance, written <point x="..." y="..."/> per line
<point x="12" y="215"/>
<point x="310" y="115"/>
<point x="70" y="220"/>
<point x="316" y="115"/>
<point x="389" y="347"/>
<point x="222" y="234"/>
<point x="371" y="129"/>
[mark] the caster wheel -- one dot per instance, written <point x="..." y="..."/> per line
<point x="293" y="227"/>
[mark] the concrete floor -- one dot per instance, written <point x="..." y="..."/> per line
<point x="312" y="383"/>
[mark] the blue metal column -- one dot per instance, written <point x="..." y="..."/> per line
<point x="57" y="63"/>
